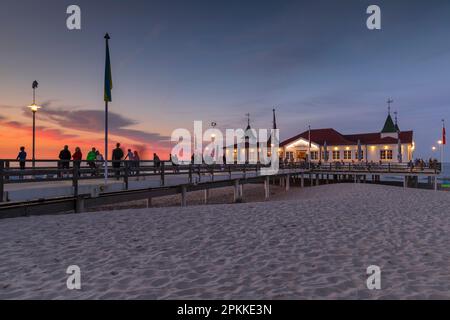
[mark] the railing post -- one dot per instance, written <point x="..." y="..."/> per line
<point x="6" y="178"/>
<point x="2" y="179"/>
<point x="190" y="173"/>
<point x="75" y="179"/>
<point x="125" y="178"/>
<point x="389" y="167"/>
<point x="162" y="174"/>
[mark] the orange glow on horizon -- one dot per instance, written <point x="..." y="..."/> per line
<point x="49" y="143"/>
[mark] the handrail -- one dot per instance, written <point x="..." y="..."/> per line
<point x="77" y="171"/>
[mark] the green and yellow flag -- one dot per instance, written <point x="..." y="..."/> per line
<point x="108" y="75"/>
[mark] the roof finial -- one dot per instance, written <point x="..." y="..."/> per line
<point x="248" y="119"/>
<point x="389" y="102"/>
<point x="274" y="120"/>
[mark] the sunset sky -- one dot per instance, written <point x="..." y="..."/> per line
<point x="174" y="62"/>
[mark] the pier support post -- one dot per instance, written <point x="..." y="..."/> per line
<point x="237" y="192"/>
<point x="302" y="180"/>
<point x="317" y="179"/>
<point x="183" y="196"/>
<point x="79" y="205"/>
<point x="267" y="188"/>
<point x="206" y="193"/>
<point x="288" y="182"/>
<point x="149" y="202"/>
<point x="2" y="179"/>
<point x="311" y="180"/>
<point x="435" y="183"/>
<point x="405" y="182"/>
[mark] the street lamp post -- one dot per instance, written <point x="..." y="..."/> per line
<point x="441" y="148"/>
<point x="34" y="108"/>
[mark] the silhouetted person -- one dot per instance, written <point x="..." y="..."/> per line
<point x="91" y="161"/>
<point x="136" y="162"/>
<point x="64" y="159"/>
<point x="77" y="157"/>
<point x="22" y="157"/>
<point x="117" y="156"/>
<point x="156" y="162"/>
<point x="130" y="155"/>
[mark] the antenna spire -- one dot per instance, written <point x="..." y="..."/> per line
<point x="389" y="102"/>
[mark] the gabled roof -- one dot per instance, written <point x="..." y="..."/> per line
<point x="319" y="136"/>
<point x="332" y="137"/>
<point x="389" y="126"/>
<point x="375" y="138"/>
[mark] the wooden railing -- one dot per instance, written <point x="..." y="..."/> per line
<point x="57" y="170"/>
<point x="433" y="168"/>
<point x="76" y="171"/>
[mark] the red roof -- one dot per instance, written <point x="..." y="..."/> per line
<point x="332" y="137"/>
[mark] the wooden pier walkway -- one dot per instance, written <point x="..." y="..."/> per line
<point x="47" y="189"/>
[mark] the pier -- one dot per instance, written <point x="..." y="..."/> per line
<point x="49" y="189"/>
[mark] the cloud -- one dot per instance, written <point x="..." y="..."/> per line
<point x="45" y="132"/>
<point x="93" y="121"/>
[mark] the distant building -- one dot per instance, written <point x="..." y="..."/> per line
<point x="328" y="145"/>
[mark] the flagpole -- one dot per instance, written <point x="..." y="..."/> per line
<point x="444" y="142"/>
<point x="309" y="147"/>
<point x="107" y="98"/>
<point x="106" y="142"/>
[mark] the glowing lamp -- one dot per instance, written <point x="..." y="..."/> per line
<point x="34" y="107"/>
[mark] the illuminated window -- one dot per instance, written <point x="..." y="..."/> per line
<point x="347" y="155"/>
<point x="328" y="155"/>
<point x="386" y="154"/>
<point x="336" y="155"/>
<point x="356" y="154"/>
<point x="289" y="155"/>
<point x="314" y="155"/>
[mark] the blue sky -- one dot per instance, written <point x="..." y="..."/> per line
<point x="179" y="61"/>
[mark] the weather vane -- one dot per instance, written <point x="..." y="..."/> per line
<point x="389" y="102"/>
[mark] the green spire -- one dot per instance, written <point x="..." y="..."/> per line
<point x="389" y="126"/>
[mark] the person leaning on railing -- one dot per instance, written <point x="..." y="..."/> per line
<point x="117" y="159"/>
<point x="64" y="159"/>
<point x="22" y="157"/>
<point x="91" y="158"/>
<point x="77" y="156"/>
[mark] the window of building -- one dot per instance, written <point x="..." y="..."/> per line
<point x="289" y="155"/>
<point x="389" y="154"/>
<point x="328" y="155"/>
<point x="347" y="155"/>
<point x="356" y="154"/>
<point x="386" y="154"/>
<point x="336" y="155"/>
<point x="314" y="155"/>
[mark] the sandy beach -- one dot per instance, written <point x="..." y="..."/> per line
<point x="311" y="243"/>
